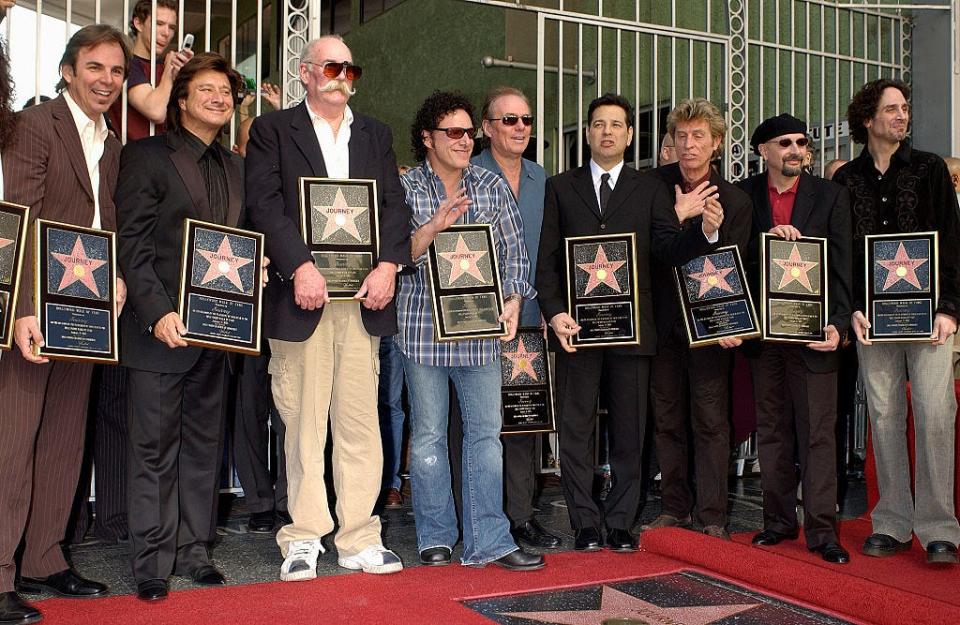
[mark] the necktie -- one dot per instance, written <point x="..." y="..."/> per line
<point x="605" y="191"/>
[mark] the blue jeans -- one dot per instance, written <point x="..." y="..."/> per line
<point x="486" y="530"/>
<point x="391" y="410"/>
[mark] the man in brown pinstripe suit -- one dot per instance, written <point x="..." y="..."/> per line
<point x="63" y="163"/>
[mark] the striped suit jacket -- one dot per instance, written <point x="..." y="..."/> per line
<point x="44" y="168"/>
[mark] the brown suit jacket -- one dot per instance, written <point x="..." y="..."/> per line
<point x="44" y="168"/>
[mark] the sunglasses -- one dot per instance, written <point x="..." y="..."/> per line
<point x="454" y="132"/>
<point x="511" y="119"/>
<point x="332" y="69"/>
<point x="786" y="143"/>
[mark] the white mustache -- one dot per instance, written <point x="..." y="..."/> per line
<point x="338" y="85"/>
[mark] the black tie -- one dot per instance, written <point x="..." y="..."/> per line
<point x="605" y="191"/>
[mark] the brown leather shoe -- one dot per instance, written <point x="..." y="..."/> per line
<point x="666" y="520"/>
<point x="393" y="500"/>
<point x="716" y="532"/>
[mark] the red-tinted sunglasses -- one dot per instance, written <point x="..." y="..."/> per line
<point x="332" y="69"/>
<point x="455" y="133"/>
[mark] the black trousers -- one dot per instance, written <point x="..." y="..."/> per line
<point x="691" y="395"/>
<point x="623" y="380"/>
<point x="796" y="419"/>
<point x="176" y="427"/>
<point x="252" y="411"/>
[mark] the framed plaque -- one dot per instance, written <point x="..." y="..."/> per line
<point x="465" y="287"/>
<point x="903" y="286"/>
<point x="75" y="290"/>
<point x="526" y="383"/>
<point x="715" y="299"/>
<point x="793" y="289"/>
<point x="339" y="224"/>
<point x="14" y="222"/>
<point x="602" y="290"/>
<point x="220" y="288"/>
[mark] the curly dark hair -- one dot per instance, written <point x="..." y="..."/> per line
<point x="863" y="106"/>
<point x="8" y="121"/>
<point x="611" y="99"/>
<point x="437" y="106"/>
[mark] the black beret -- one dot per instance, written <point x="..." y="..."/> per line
<point x="782" y="124"/>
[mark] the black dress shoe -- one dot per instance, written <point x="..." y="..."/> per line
<point x="533" y="534"/>
<point x="152" y="590"/>
<point x="16" y="611"/>
<point x="208" y="575"/>
<point x="520" y="560"/>
<point x="832" y="552"/>
<point x="769" y="538"/>
<point x="436" y="556"/>
<point x="882" y="546"/>
<point x="66" y="583"/>
<point x="261" y="522"/>
<point x="620" y="541"/>
<point x="941" y="552"/>
<point x="587" y="539"/>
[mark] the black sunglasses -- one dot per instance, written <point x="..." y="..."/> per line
<point x="332" y="69"/>
<point x="785" y="143"/>
<point x="455" y="132"/>
<point x="511" y="119"/>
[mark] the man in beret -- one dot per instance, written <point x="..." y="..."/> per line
<point x="795" y="385"/>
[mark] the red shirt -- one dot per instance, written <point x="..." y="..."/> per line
<point x="781" y="204"/>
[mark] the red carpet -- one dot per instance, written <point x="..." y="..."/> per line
<point x="889" y="591"/>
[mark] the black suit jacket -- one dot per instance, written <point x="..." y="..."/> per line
<point x="160" y="185"/>
<point x="640" y="204"/>
<point x="735" y="230"/>
<point x="821" y="209"/>
<point x="283" y="148"/>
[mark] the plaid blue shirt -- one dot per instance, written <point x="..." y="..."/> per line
<point x="492" y="203"/>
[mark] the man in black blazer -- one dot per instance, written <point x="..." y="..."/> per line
<point x="605" y="197"/>
<point x="795" y="386"/>
<point x="693" y="385"/>
<point x="176" y="412"/>
<point x="324" y="356"/>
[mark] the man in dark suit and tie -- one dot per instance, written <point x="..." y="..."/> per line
<point x="62" y="163"/>
<point x="176" y="412"/>
<point x="606" y="197"/>
<point x="324" y="355"/>
<point x="795" y="386"/>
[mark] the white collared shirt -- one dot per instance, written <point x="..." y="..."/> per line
<point x="336" y="155"/>
<point x="93" y="136"/>
<point x="596" y="172"/>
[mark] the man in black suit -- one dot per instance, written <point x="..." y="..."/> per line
<point x="324" y="355"/>
<point x="692" y="386"/>
<point x="176" y="412"/>
<point x="795" y="386"/>
<point x="605" y="197"/>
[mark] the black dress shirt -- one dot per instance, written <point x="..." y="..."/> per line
<point x="214" y="176"/>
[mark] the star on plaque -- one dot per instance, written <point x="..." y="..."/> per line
<point x="463" y="260"/>
<point x="902" y="267"/>
<point x="522" y="361"/>
<point x="620" y="605"/>
<point x="77" y="267"/>
<point x="795" y="269"/>
<point x="712" y="278"/>
<point x="340" y="216"/>
<point x="225" y="263"/>
<point x="602" y="271"/>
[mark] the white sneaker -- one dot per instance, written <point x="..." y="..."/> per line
<point x="375" y="559"/>
<point x="301" y="561"/>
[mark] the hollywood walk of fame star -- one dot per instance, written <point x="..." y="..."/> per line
<point x="340" y="216"/>
<point x="463" y="260"/>
<point x="616" y="604"/>
<point x="77" y="267"/>
<point x="795" y="269"/>
<point x="224" y="263"/>
<point x="902" y="267"/>
<point x="602" y="271"/>
<point x="522" y="361"/>
<point x="712" y="278"/>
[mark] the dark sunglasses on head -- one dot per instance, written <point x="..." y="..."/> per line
<point x="785" y="143"/>
<point x="332" y="69"/>
<point x="455" y="132"/>
<point x="511" y="120"/>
